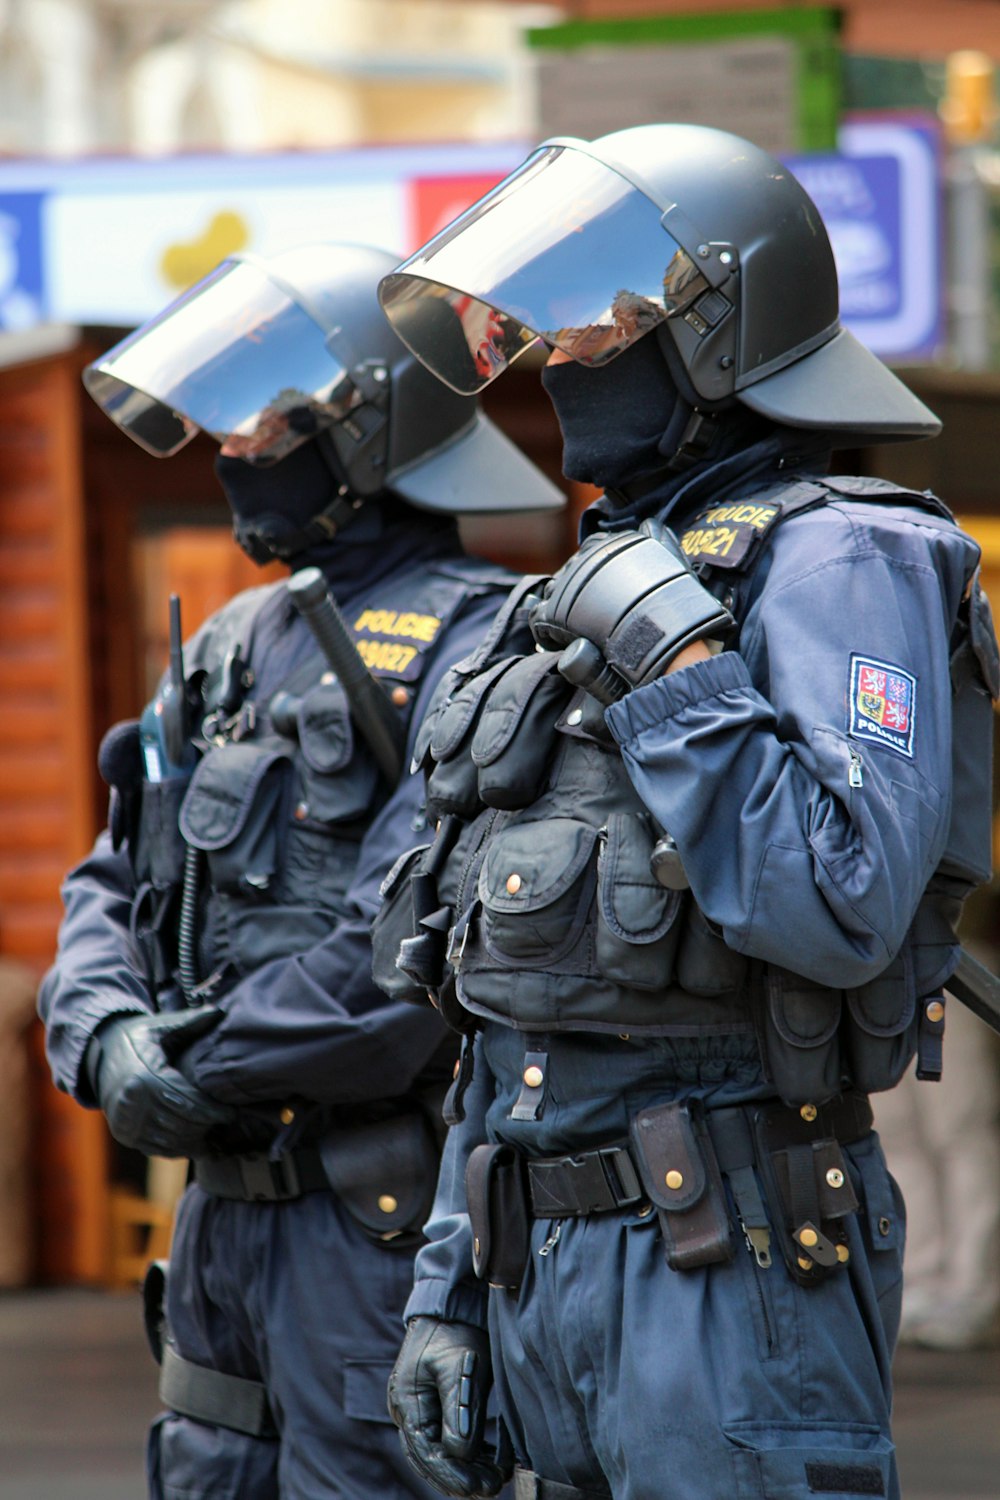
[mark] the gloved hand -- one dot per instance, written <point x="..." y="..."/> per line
<point x="634" y="597"/>
<point x="437" y="1399"/>
<point x="148" y="1103"/>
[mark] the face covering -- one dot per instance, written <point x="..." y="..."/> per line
<point x="273" y="504"/>
<point x="613" y="418"/>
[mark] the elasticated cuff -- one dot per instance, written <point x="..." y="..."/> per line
<point x="658" y="702"/>
<point x="436" y="1298"/>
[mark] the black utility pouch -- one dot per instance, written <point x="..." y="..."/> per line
<point x="384" y="1172"/>
<point x="680" y="1173"/>
<point x="810" y="1195"/>
<point x="498" y="1212"/>
<point x="452" y="784"/>
<point x="514" y="737"/>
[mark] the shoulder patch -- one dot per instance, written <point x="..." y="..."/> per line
<point x="724" y="536"/>
<point x="883" y="704"/>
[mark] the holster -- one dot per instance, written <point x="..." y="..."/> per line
<point x="680" y="1173"/>
<point x="498" y="1212"/>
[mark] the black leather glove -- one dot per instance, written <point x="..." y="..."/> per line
<point x="148" y="1103"/>
<point x="633" y="597"/>
<point x="437" y="1399"/>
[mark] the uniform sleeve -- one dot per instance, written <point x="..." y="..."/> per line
<point x="97" y="972"/>
<point x="314" y="1025"/>
<point x="445" y="1285"/>
<point x="807" y="777"/>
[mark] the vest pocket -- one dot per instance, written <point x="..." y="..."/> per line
<point x="536" y="886"/>
<point x="159" y="854"/>
<point x="880" y="1025"/>
<point x="235" y="812"/>
<point x="801" y="1044"/>
<point x="338" y="783"/>
<point x="637" y="918"/>
<point x="514" y="738"/>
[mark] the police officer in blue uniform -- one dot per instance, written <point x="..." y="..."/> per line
<point x="212" y="992"/>
<point x="707" y="804"/>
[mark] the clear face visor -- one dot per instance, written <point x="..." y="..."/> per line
<point x="236" y="357"/>
<point x="565" y="250"/>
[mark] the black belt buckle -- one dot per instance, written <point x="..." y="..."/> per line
<point x="269" y="1181"/>
<point x="593" y="1182"/>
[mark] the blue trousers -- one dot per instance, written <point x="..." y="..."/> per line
<point x="294" y="1295"/>
<point x="730" y="1382"/>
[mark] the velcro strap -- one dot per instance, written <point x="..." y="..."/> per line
<point x="255" y="1178"/>
<point x="211" y="1396"/>
<point x="845" y="1119"/>
<point x="592" y="1183"/>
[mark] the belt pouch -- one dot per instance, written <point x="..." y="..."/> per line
<point x="384" y="1172"/>
<point x="498" y="1213"/>
<point x="680" y="1172"/>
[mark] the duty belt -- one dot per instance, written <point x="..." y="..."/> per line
<point x="608" y="1178"/>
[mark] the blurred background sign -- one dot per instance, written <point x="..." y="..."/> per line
<point x="880" y="198"/>
<point x="97" y="242"/>
<point x="770" y="74"/>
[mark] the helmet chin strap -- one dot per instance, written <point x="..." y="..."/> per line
<point x="688" y="440"/>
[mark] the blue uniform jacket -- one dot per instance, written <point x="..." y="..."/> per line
<point x="312" y="1025"/>
<point x="806" y="775"/>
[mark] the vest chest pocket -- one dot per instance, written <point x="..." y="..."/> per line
<point x="536" y="887"/>
<point x="637" y="918"/>
<point x="338" y="781"/>
<point x="235" y="811"/>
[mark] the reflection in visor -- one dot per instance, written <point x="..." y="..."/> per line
<point x="236" y="357"/>
<point x="565" y="250"/>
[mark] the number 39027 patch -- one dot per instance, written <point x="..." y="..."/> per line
<point x="883" y="704"/>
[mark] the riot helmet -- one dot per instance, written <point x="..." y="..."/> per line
<point x="266" y="354"/>
<point x="685" y="232"/>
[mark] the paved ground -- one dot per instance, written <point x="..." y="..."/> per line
<point x="77" y="1389"/>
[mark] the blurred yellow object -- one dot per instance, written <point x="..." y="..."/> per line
<point x="969" y="108"/>
<point x="183" y="264"/>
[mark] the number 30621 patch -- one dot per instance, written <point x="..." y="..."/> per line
<point x="883" y="704"/>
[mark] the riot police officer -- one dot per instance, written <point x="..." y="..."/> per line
<point x="707" y="807"/>
<point x="212" y="990"/>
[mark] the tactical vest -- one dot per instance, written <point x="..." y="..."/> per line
<point x="536" y="906"/>
<point x="284" y="787"/>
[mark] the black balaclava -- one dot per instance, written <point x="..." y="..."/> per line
<point x="622" y="426"/>
<point x="272" y="504"/>
<point x="613" y="417"/>
<point x="279" y="501"/>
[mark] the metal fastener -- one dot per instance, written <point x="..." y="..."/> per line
<point x="934" y="1010"/>
<point x="835" y="1177"/>
<point x="575" y="716"/>
<point x="513" y="884"/>
<point x="387" y="1203"/>
<point x="843" y="1254"/>
<point x="808" y="1237"/>
<point x="674" y="1179"/>
<point x="809" y="1112"/>
<point x="287" y="1115"/>
<point x="534" y="1077"/>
